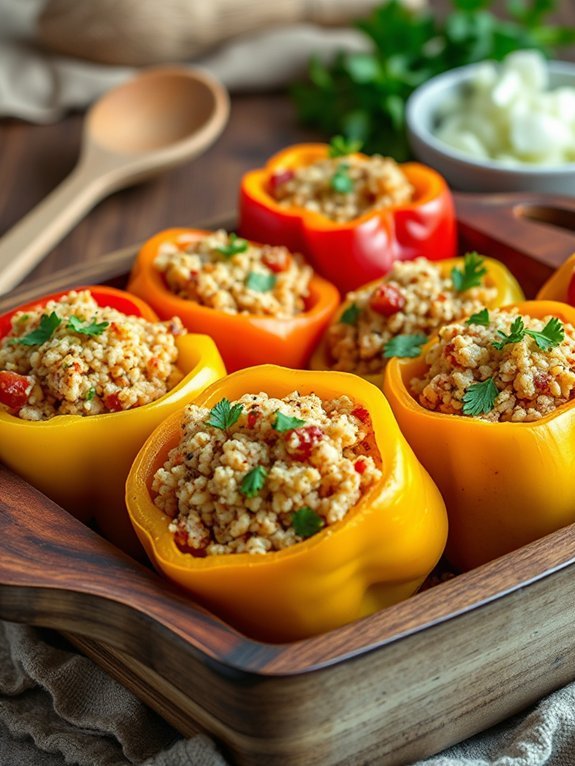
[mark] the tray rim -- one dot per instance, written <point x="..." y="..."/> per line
<point x="473" y="590"/>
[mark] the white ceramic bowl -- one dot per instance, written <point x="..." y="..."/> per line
<point x="462" y="172"/>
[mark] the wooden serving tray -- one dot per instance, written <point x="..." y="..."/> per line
<point x="391" y="688"/>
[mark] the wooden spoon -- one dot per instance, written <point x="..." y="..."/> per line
<point x="156" y="121"/>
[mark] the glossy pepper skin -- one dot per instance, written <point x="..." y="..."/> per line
<point x="508" y="291"/>
<point x="82" y="462"/>
<point x="243" y="340"/>
<point x="358" y="251"/>
<point x="378" y="555"/>
<point x="561" y="284"/>
<point x="504" y="484"/>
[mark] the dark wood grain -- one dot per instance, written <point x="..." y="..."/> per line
<point x="327" y="700"/>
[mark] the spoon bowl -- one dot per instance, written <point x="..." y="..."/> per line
<point x="162" y="118"/>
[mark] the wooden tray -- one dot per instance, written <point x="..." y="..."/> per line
<point x="392" y="688"/>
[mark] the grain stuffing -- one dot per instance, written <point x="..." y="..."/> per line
<point x="74" y="357"/>
<point x="262" y="474"/>
<point x="414" y="299"/>
<point x="508" y="367"/>
<point x="342" y="189"/>
<point x="230" y="274"/>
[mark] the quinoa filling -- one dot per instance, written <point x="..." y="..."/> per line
<point x="343" y="188"/>
<point x="262" y="474"/>
<point x="414" y="299"/>
<point x="73" y="357"/>
<point x="499" y="366"/>
<point x="230" y="274"/>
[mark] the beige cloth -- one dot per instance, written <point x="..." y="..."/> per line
<point x="57" y="708"/>
<point x="40" y="86"/>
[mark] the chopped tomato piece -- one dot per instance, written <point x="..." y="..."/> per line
<point x="387" y="300"/>
<point x="112" y="402"/>
<point x="14" y="389"/>
<point x="277" y="259"/>
<point x="307" y="437"/>
<point x="253" y="417"/>
<point x="278" y="178"/>
<point x="361" y="414"/>
<point x="360" y="466"/>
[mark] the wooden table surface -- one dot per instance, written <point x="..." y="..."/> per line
<point x="35" y="158"/>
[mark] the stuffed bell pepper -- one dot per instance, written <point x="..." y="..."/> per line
<point x="352" y="215"/>
<point x="489" y="409"/>
<point x="85" y="377"/>
<point x="260" y="303"/>
<point x="287" y="502"/>
<point x="396" y="315"/>
<point x="561" y="284"/>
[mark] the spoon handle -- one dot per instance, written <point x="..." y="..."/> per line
<point x="26" y="244"/>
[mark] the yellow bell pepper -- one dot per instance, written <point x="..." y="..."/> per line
<point x="379" y="554"/>
<point x="498" y="276"/>
<point x="561" y="284"/>
<point x="82" y="462"/>
<point x="504" y="484"/>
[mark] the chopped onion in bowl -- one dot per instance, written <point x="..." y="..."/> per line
<point x="507" y="114"/>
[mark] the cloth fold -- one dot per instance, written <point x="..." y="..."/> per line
<point x="58" y="708"/>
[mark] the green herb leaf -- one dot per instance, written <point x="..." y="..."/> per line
<point x="286" y="423"/>
<point x="306" y="522"/>
<point x="47" y="327"/>
<point x="480" y="398"/>
<point x="261" y="283"/>
<point x="516" y="334"/>
<point x="86" y="328"/>
<point x="350" y="315"/>
<point x="404" y="346"/>
<point x="234" y="246"/>
<point x="550" y="336"/>
<point x="341" y="147"/>
<point x="223" y="414"/>
<point x="471" y="274"/>
<point x="90" y="394"/>
<point x="340" y="180"/>
<point x="253" y="481"/>
<point x="481" y="317"/>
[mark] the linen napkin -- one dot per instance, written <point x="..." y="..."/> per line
<point x="57" y="708"/>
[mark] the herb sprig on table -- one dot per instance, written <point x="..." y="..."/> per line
<point x="362" y="96"/>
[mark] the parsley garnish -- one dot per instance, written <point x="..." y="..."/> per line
<point x="517" y="334"/>
<point x="286" y="423"/>
<point x="224" y="414"/>
<point x="549" y="337"/>
<point x="350" y="315"/>
<point x="340" y="146"/>
<point x="471" y="274"/>
<point x="90" y="394"/>
<point x="47" y="327"/>
<point x="404" y="346"/>
<point x="261" y="283"/>
<point x="234" y="246"/>
<point x="89" y="328"/>
<point x="481" y="317"/>
<point x="253" y="481"/>
<point x="480" y="397"/>
<point x="340" y="180"/>
<point x="306" y="522"/>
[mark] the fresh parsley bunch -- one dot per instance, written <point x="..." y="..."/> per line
<point x="362" y="95"/>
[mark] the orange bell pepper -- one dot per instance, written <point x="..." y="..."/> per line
<point x="243" y="340"/>
<point x="504" y="484"/>
<point x="498" y="276"/>
<point x="82" y="462"/>
<point x="561" y="284"/>
<point x="353" y="253"/>
<point x="377" y="555"/>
